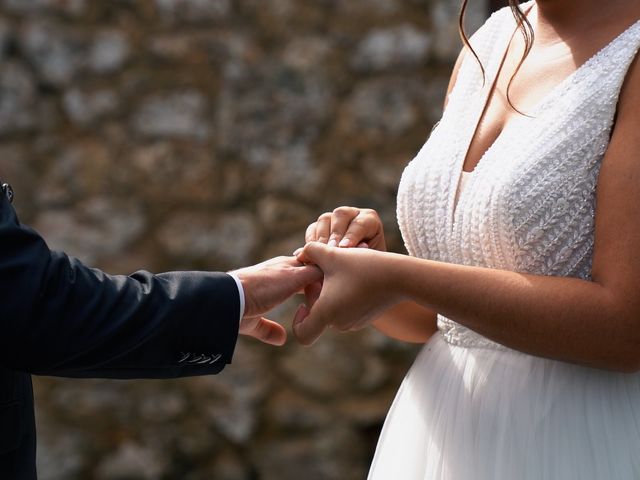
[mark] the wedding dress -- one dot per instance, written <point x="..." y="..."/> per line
<point x="469" y="408"/>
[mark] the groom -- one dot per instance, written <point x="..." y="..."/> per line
<point x="59" y="317"/>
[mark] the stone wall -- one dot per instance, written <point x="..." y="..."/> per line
<point x="206" y="134"/>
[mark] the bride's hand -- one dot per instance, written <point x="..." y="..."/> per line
<point x="344" y="227"/>
<point x="355" y="291"/>
<point x="348" y="227"/>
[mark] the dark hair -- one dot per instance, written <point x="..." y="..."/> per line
<point x="525" y="29"/>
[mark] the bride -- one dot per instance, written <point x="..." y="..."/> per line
<point x="520" y="215"/>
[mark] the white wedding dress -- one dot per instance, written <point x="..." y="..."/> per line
<point x="469" y="408"/>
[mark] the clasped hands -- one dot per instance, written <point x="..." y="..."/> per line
<point x="338" y="270"/>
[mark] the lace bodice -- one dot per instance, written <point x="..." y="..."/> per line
<point x="529" y="205"/>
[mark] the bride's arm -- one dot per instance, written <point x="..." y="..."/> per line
<point x="592" y="323"/>
<point x="407" y="321"/>
<point x="595" y="323"/>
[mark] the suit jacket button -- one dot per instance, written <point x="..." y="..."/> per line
<point x="8" y="191"/>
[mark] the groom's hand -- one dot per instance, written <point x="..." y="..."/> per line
<point x="266" y="286"/>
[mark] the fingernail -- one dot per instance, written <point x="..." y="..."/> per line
<point x="297" y="252"/>
<point x="332" y="243"/>
<point x="344" y="242"/>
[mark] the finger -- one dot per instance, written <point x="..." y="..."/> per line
<point x="310" y="235"/>
<point x="313" y="253"/>
<point x="312" y="293"/>
<point x="340" y="221"/>
<point x="307" y="275"/>
<point x="302" y="312"/>
<point x="361" y="245"/>
<point x="307" y="326"/>
<point x="268" y="331"/>
<point x="363" y="227"/>
<point x="323" y="228"/>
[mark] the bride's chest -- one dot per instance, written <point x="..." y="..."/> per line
<point x="530" y="201"/>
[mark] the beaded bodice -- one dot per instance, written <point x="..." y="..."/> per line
<point x="529" y="205"/>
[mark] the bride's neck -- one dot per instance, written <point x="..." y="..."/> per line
<point x="554" y="11"/>
<point x="551" y="17"/>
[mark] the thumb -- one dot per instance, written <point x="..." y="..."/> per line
<point x="265" y="330"/>
<point x="314" y="253"/>
<point x="312" y="293"/>
<point x="309" y="324"/>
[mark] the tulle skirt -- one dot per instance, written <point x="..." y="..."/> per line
<point x="482" y="414"/>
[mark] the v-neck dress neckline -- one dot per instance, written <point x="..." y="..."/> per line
<point x="483" y="100"/>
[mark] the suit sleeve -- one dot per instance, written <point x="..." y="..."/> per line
<point x="60" y="317"/>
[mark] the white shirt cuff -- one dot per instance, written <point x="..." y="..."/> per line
<point x="240" y="293"/>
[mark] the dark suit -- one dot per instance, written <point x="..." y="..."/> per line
<point x="59" y="317"/>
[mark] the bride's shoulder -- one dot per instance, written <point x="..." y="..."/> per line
<point x="482" y="41"/>
<point x="496" y="21"/>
